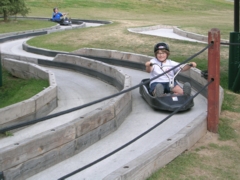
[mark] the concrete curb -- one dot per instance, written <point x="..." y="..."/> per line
<point x="113" y="54"/>
<point x="149" y="28"/>
<point x="41" y="51"/>
<point x="176" y="30"/>
<point x="163" y="153"/>
<point x="37" y="106"/>
<point x="195" y="36"/>
<point x="26" y="158"/>
<point x="19" y="58"/>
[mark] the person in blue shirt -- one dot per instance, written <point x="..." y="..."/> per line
<point x="57" y="16"/>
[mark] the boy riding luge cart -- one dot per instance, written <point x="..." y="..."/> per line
<point x="60" y="18"/>
<point x="164" y="92"/>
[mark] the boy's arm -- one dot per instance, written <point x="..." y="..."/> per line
<point x="148" y="66"/>
<point x="63" y="14"/>
<point x="189" y="65"/>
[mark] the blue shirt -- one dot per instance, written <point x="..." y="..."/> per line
<point x="57" y="16"/>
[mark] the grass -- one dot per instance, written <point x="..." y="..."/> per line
<point x="202" y="164"/>
<point x="16" y="90"/>
<point x="22" y="25"/>
<point x="215" y="156"/>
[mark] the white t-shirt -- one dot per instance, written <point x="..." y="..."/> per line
<point x="156" y="70"/>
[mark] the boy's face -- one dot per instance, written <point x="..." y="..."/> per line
<point x="161" y="55"/>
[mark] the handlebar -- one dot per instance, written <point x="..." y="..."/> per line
<point x="171" y="80"/>
<point x="190" y="64"/>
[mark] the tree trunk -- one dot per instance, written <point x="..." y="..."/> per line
<point x="5" y="16"/>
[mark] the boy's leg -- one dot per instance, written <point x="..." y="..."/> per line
<point x="61" y="20"/>
<point x="187" y="89"/>
<point x="158" y="90"/>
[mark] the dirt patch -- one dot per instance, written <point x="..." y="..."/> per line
<point x="235" y="118"/>
<point x="230" y="115"/>
<point x="201" y="147"/>
<point x="207" y="139"/>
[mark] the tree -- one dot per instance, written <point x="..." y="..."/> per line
<point x="13" y="7"/>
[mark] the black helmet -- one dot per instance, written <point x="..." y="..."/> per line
<point x="160" y="46"/>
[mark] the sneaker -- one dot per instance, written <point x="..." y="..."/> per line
<point x="187" y="89"/>
<point x="159" y="90"/>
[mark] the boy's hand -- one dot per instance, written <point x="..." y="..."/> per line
<point x="192" y="64"/>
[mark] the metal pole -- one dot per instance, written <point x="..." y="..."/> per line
<point x="236" y="15"/>
<point x="234" y="53"/>
<point x="213" y="74"/>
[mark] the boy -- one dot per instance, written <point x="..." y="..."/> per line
<point x="57" y="16"/>
<point x="160" y="85"/>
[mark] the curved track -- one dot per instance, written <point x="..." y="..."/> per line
<point x="76" y="89"/>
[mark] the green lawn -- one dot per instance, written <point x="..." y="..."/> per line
<point x="22" y="25"/>
<point x="15" y="90"/>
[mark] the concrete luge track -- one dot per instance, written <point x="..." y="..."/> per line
<point x="136" y="161"/>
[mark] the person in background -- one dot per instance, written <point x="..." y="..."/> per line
<point x="57" y="16"/>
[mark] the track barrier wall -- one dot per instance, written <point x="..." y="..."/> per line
<point x="37" y="106"/>
<point x="176" y="30"/>
<point x="69" y="139"/>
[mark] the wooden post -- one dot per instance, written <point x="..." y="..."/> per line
<point x="213" y="74"/>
